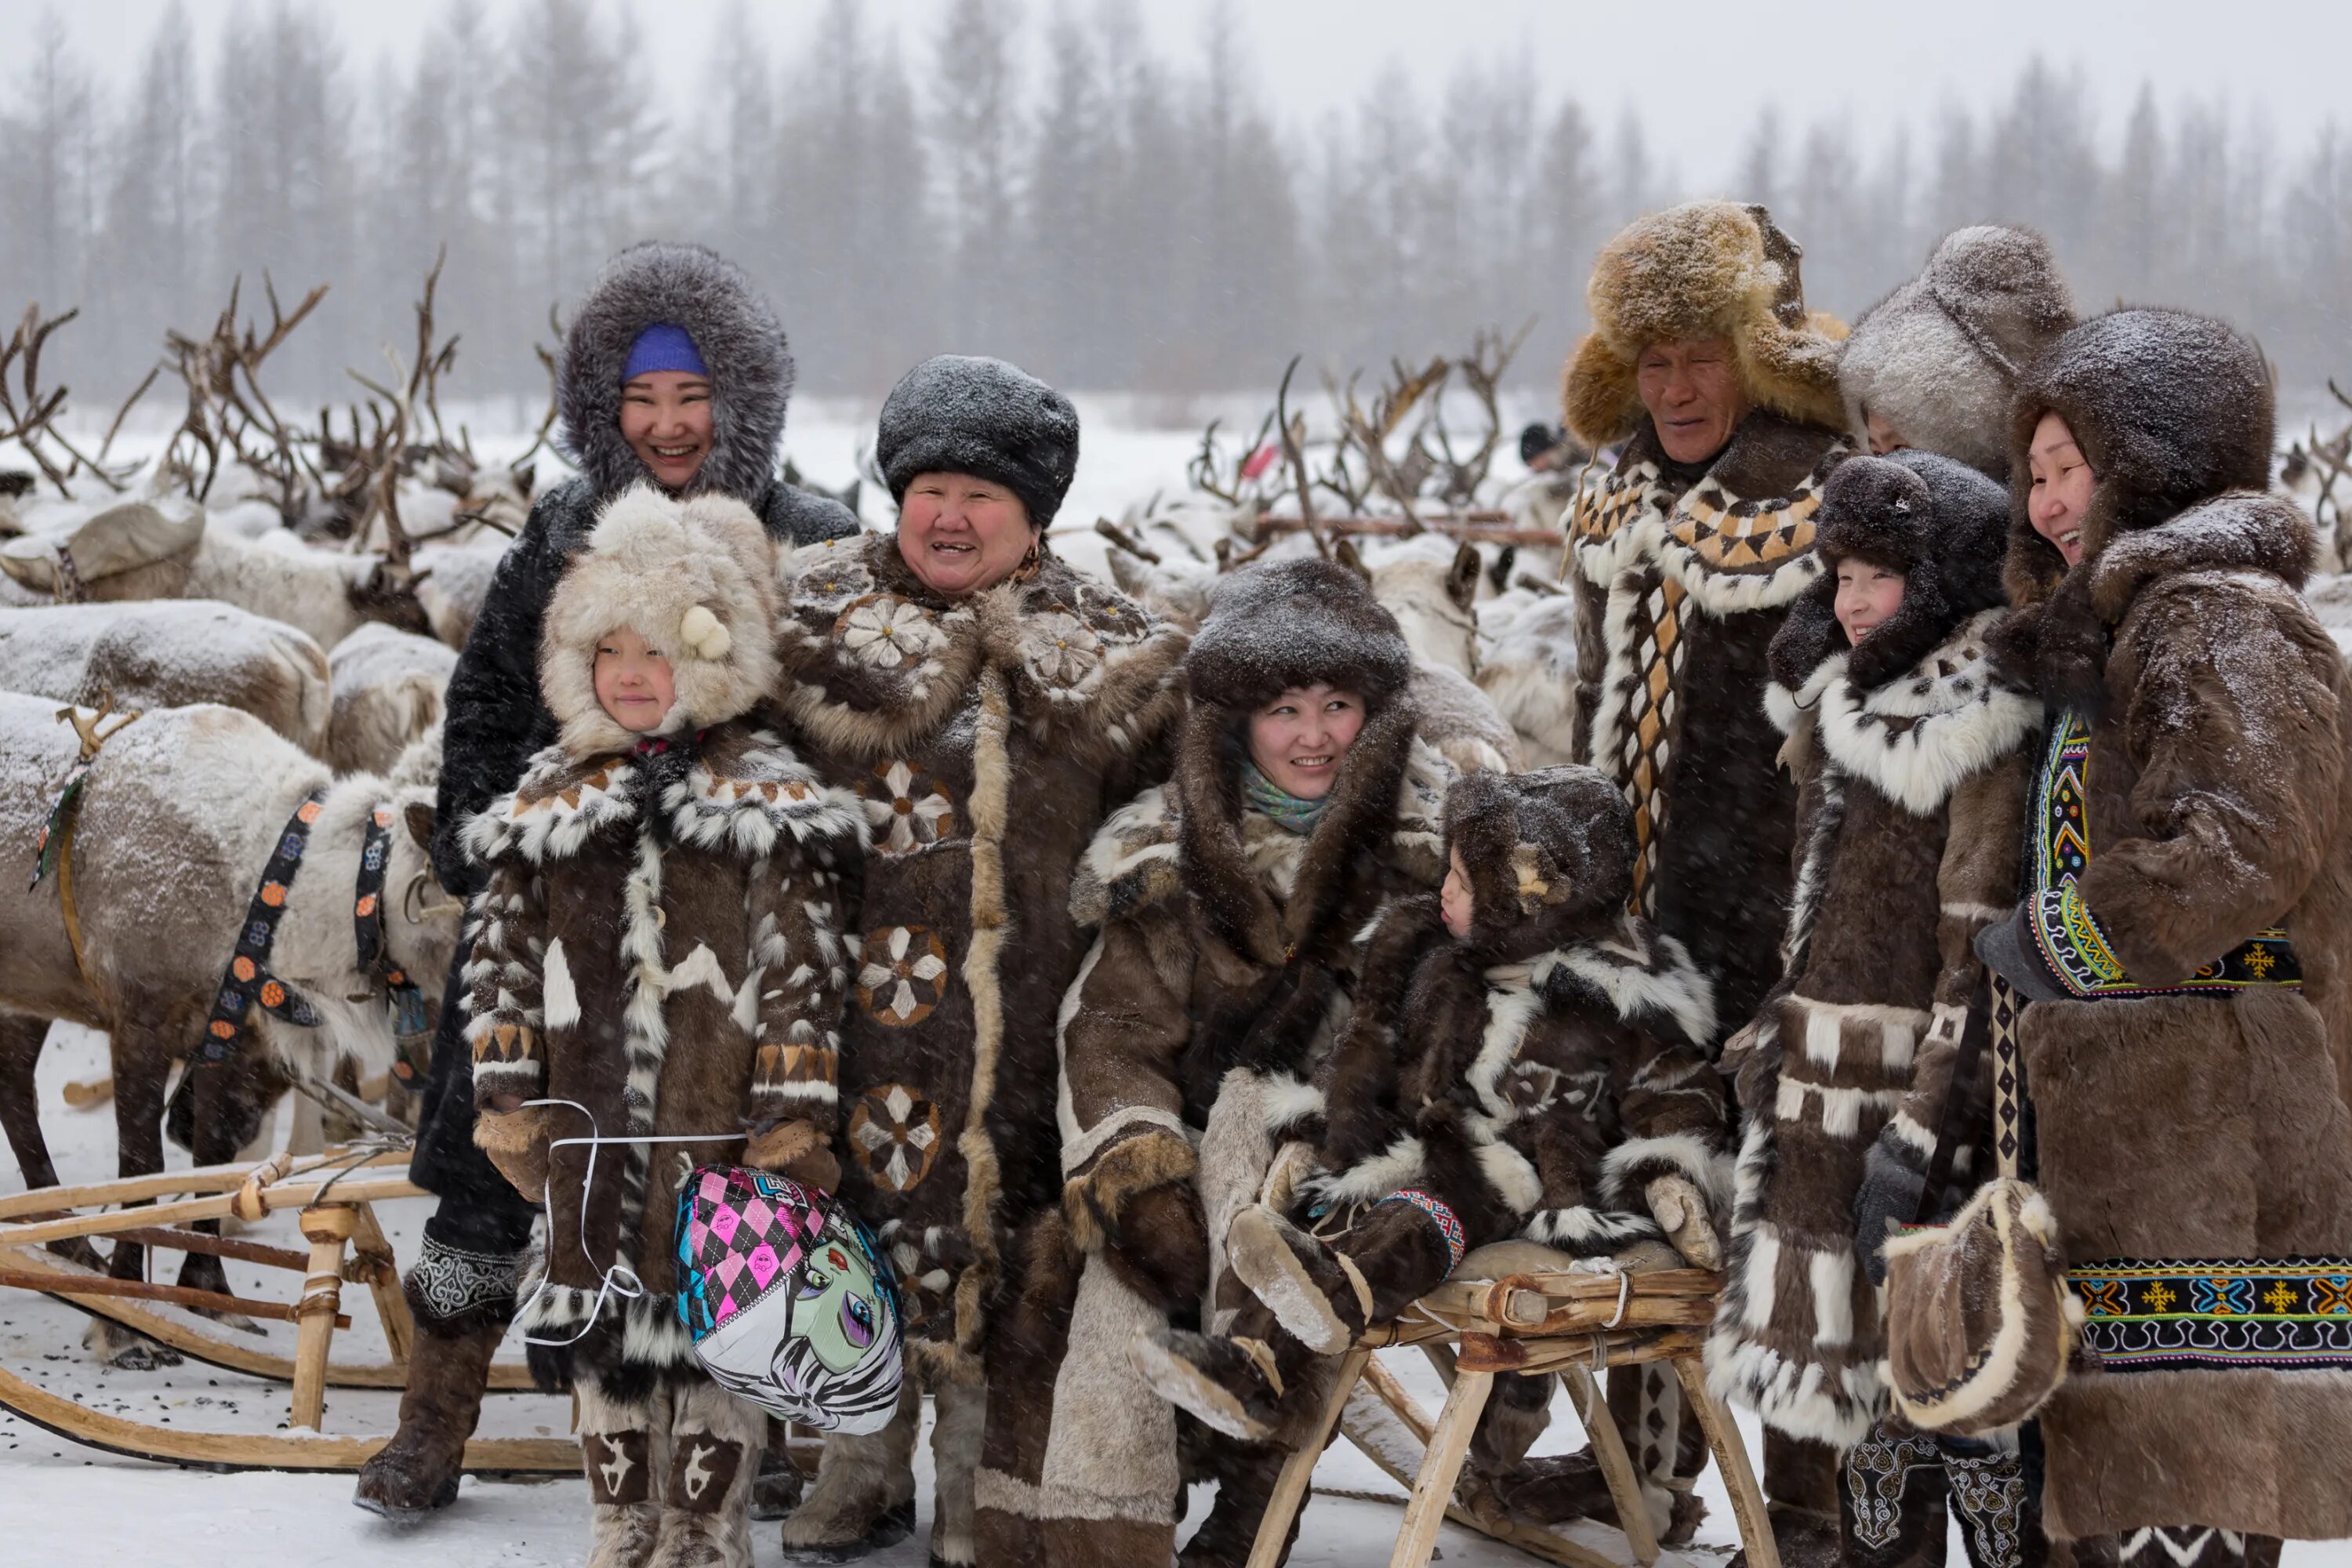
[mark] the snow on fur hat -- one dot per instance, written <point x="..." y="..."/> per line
<point x="1547" y="851"/>
<point x="954" y="414"/>
<point x="732" y="330"/>
<point x="2169" y="409"/>
<point x="1938" y="358"/>
<point x="1277" y="624"/>
<point x="1941" y="523"/>
<point x="1703" y="270"/>
<point x="695" y="579"/>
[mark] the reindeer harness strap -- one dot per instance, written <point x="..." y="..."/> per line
<point x="55" y="845"/>
<point x="247" y="979"/>
<point x="408" y="1016"/>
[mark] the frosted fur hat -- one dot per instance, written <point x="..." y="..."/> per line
<point x="731" y="330"/>
<point x="695" y="579"/>
<point x="1938" y="358"/>
<point x="1549" y="853"/>
<point x="1703" y="270"/>
<point x="1302" y="622"/>
<point x="955" y="414"/>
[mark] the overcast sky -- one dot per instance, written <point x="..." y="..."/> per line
<point x="1697" y="71"/>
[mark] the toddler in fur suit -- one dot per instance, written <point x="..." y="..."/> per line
<point x="1525" y="1060"/>
<point x="655" y="973"/>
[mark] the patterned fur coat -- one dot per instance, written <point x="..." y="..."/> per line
<point x="986" y="738"/>
<point x="1910" y="792"/>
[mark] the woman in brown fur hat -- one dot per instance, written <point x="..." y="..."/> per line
<point x="2184" y="941"/>
<point x="1720" y="390"/>
<point x="656" y="956"/>
<point x="990" y="706"/>
<point x="1227" y="904"/>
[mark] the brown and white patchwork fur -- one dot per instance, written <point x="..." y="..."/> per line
<point x="1910" y="797"/>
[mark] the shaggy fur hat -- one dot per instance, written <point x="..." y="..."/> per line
<point x="2169" y="408"/>
<point x="1942" y="524"/>
<point x="695" y="579"/>
<point x="1939" y="357"/>
<point x="1703" y="270"/>
<point x="1283" y="624"/>
<point x="710" y="299"/>
<point x="954" y="414"/>
<point x="1549" y="853"/>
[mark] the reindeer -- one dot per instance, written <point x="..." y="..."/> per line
<point x="179" y="815"/>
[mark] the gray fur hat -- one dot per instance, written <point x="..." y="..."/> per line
<point x="1938" y="357"/>
<point x="733" y="330"/>
<point x="1301" y="622"/>
<point x="956" y="414"/>
<point x="1548" y="852"/>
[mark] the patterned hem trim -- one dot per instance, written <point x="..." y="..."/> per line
<point x="2292" y="1314"/>
<point x="450" y="1281"/>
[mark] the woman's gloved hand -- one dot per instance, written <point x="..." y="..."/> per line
<point x="798" y="1151"/>
<point x="1680" y="1210"/>
<point x="516" y="1141"/>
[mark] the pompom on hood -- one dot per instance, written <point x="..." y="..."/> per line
<point x="734" y="332"/>
<point x="695" y="579"/>
<point x="1549" y="853"/>
<point x="1940" y="523"/>
<point x="1702" y="269"/>
<point x="1278" y="624"/>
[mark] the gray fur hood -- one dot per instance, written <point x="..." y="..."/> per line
<point x="734" y="330"/>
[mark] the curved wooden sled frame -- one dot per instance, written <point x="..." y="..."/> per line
<point x="333" y="1193"/>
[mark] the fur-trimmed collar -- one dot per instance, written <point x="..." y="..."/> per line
<point x="1915" y="740"/>
<point x="1136" y="860"/>
<point x="1739" y="540"/>
<point x="874" y="659"/>
<point x="743" y="790"/>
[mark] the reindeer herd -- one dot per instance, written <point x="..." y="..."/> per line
<point x="282" y="605"/>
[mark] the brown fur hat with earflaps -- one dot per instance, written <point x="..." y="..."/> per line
<point x="1703" y="270"/>
<point x="1549" y="853"/>
<point x="695" y="579"/>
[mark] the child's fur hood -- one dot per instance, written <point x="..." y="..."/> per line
<point x="1549" y="854"/>
<point x="697" y="580"/>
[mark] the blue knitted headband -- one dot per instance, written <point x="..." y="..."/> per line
<point x="663" y="347"/>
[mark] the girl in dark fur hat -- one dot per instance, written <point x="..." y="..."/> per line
<point x="1525" y="1060"/>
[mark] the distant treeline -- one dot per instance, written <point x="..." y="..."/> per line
<point x="1040" y="184"/>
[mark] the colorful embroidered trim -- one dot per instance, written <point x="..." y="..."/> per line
<point x="409" y="1027"/>
<point x="2291" y="1314"/>
<point x="1437" y="1209"/>
<point x="2072" y="940"/>
<point x="248" y="981"/>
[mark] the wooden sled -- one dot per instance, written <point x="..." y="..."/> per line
<point x="1574" y="1324"/>
<point x="333" y="1193"/>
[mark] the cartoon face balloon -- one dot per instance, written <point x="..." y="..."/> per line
<point x="788" y="1299"/>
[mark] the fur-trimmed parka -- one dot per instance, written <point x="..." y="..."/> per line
<point x="659" y="944"/>
<point x="1939" y="359"/>
<point x="1194" y="1042"/>
<point x="986" y="738"/>
<point x="2189" y="1118"/>
<point x="1565" y="1045"/>
<point x="1911" y="755"/>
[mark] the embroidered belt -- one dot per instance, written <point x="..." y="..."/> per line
<point x="248" y="980"/>
<point x="2072" y="940"/>
<point x="2287" y="1314"/>
<point x="408" y="1016"/>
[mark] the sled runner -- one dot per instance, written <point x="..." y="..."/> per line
<point x="1574" y="1324"/>
<point x="333" y="1194"/>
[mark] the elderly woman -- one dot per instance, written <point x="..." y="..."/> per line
<point x="1721" y="393"/>
<point x="991" y="707"/>
<point x="2183" y="940"/>
<point x="1226" y="906"/>
<point x="676" y="371"/>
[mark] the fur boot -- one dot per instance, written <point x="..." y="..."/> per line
<point x="1246" y="1474"/>
<point x="1232" y="1382"/>
<point x="715" y="1445"/>
<point x="863" y="1498"/>
<point x="1315" y="1292"/>
<point x="416" y="1472"/>
<point x="624" y="1444"/>
<point x="959" y="1414"/>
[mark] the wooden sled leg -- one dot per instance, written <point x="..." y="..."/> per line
<point x="1299" y="1470"/>
<point x="1616" y="1464"/>
<point x="1433" y="1489"/>
<point x="372" y="1255"/>
<point x="1731" y="1455"/>
<point x="326" y="1229"/>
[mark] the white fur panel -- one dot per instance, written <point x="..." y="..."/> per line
<point x="1289" y="1100"/>
<point x="1511" y="1006"/>
<point x="1826" y="1023"/>
<point x="1761" y="1276"/>
<point x="1685" y="1153"/>
<point x="559" y="997"/>
<point x="1633" y="980"/>
<point x="1401" y="1164"/>
<point x="1831" y="1276"/>
<point x="1842" y="1110"/>
<point x="1511" y="1175"/>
